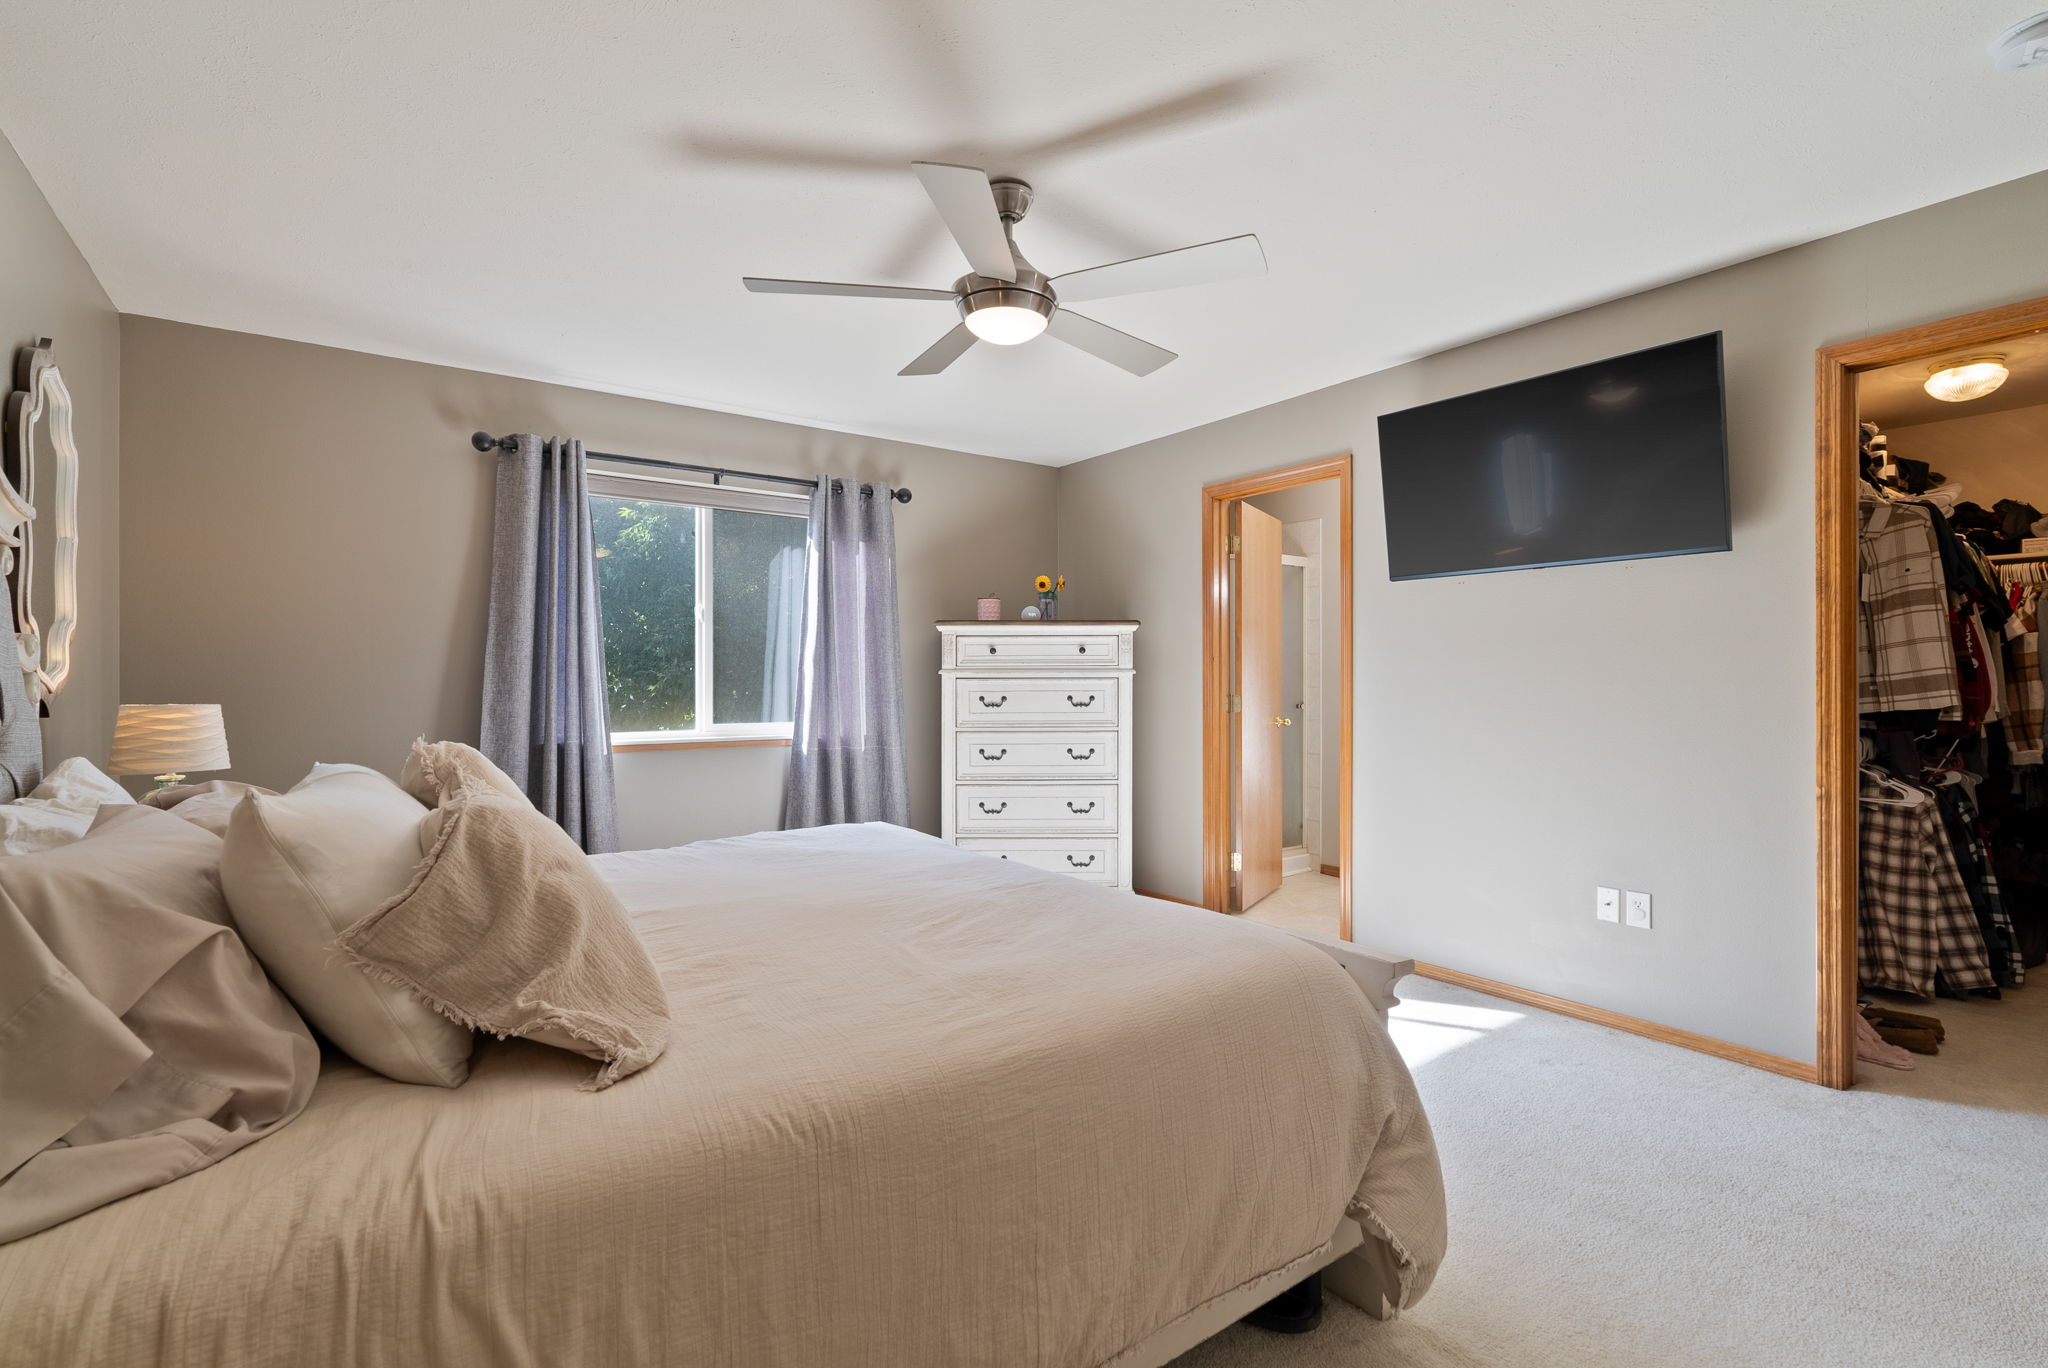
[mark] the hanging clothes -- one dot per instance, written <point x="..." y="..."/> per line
<point x="1994" y="662"/>
<point x="1953" y="836"/>
<point x="2025" y="697"/>
<point x="1965" y="572"/>
<point x="1915" y="925"/>
<point x="1973" y="672"/>
<point x="1965" y="830"/>
<point x="1906" y="653"/>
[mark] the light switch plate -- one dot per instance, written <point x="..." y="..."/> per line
<point x="1639" y="909"/>
<point x="1607" y="903"/>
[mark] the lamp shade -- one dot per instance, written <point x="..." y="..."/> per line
<point x="151" y="738"/>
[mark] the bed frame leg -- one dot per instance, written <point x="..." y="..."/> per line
<point x="1369" y="1279"/>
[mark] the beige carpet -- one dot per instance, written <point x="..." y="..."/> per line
<point x="1618" y="1202"/>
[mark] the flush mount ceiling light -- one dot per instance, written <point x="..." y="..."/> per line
<point x="1973" y="377"/>
<point x="1006" y="300"/>
<point x="2025" y="44"/>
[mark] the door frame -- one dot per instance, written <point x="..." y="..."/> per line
<point x="1835" y="621"/>
<point x="1218" y="725"/>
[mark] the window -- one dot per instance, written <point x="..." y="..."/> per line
<point x="701" y="591"/>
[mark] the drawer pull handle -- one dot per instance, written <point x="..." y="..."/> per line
<point x="988" y="811"/>
<point x="997" y="756"/>
<point x="983" y="700"/>
<point x="1089" y="756"/>
<point x="1080" y="812"/>
<point x="992" y="651"/>
<point x="1078" y="864"/>
<point x="1079" y="703"/>
<point x="1084" y="650"/>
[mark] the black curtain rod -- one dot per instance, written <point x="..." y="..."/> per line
<point x="483" y="441"/>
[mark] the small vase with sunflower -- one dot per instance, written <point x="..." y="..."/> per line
<point x="1049" y="596"/>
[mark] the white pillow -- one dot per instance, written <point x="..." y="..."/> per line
<point x="300" y="868"/>
<point x="59" y="810"/>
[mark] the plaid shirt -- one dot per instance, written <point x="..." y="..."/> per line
<point x="1905" y="656"/>
<point x="1965" y="828"/>
<point x="2024" y="695"/>
<point x="1913" y="913"/>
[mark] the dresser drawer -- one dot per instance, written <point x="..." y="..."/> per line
<point x="1089" y="858"/>
<point x="1052" y="701"/>
<point x="1038" y="648"/>
<point x="993" y="809"/>
<point x="1035" y="755"/>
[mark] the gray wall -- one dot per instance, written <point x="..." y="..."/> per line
<point x="1523" y="737"/>
<point x="1318" y="502"/>
<point x="47" y="290"/>
<point x="308" y="538"/>
<point x="1998" y="455"/>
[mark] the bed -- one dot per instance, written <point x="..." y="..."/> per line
<point x="920" y="1107"/>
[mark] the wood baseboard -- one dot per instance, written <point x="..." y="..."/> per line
<point x="1334" y="871"/>
<point x="1600" y="1016"/>
<point x="1164" y="897"/>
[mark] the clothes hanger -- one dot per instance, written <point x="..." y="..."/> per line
<point x="1936" y="767"/>
<point x="1909" y="796"/>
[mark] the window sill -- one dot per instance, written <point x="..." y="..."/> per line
<point x="698" y="743"/>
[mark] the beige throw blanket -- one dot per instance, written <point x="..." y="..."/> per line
<point x="507" y="928"/>
<point x="932" y="1110"/>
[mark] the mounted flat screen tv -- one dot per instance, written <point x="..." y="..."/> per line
<point x="1620" y="460"/>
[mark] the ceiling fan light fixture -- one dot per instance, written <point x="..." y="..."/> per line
<point x="1973" y="377"/>
<point x="1005" y="317"/>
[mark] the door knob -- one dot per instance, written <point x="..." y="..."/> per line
<point x="1283" y="721"/>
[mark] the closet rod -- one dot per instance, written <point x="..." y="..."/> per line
<point x="483" y="441"/>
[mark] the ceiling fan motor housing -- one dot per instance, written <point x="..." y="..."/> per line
<point x="1030" y="290"/>
<point x="1012" y="197"/>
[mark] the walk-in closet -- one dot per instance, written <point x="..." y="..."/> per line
<point x="1952" y="810"/>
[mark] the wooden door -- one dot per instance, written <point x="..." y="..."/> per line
<point x="1255" y="628"/>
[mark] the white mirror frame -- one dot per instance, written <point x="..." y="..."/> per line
<point x="40" y="394"/>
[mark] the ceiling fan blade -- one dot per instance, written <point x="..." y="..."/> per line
<point x="1134" y="354"/>
<point x="1231" y="258"/>
<point x="967" y="204"/>
<point x="941" y="353"/>
<point x="764" y="285"/>
<point x="1208" y="101"/>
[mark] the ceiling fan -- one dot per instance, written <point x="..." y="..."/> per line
<point x="1005" y="300"/>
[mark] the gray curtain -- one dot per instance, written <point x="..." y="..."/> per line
<point x="544" y="707"/>
<point x="846" y="763"/>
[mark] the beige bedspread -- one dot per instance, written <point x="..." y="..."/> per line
<point x="921" y="1108"/>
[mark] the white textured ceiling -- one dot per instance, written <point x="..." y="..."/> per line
<point x="570" y="189"/>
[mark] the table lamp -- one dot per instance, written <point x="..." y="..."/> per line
<point x="166" y="738"/>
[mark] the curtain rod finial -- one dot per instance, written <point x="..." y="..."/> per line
<point x="483" y="441"/>
<point x="901" y="496"/>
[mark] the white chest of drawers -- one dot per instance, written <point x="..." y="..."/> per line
<point x="1036" y="744"/>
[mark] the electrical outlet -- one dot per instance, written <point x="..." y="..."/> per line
<point x="1639" y="909"/>
<point x="1607" y="903"/>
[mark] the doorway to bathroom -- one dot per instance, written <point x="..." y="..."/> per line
<point x="1277" y="661"/>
